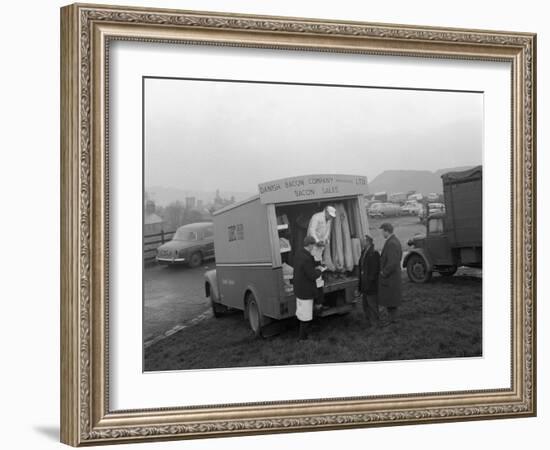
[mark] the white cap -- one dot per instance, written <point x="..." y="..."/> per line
<point x="331" y="211"/>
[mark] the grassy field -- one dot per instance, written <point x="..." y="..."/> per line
<point x="441" y="319"/>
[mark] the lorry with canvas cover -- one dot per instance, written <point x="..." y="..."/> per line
<point x="255" y="241"/>
<point x="454" y="237"/>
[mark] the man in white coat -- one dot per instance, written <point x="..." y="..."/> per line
<point x="319" y="229"/>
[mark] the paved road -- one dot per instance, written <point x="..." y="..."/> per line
<point x="173" y="296"/>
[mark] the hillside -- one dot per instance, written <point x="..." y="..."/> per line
<point x="422" y="181"/>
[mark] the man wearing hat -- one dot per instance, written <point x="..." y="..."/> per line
<point x="319" y="230"/>
<point x="369" y="269"/>
<point x="389" y="285"/>
<point x="305" y="288"/>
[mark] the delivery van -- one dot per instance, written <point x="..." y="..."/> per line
<point x="255" y="241"/>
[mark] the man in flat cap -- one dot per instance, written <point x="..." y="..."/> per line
<point x="389" y="285"/>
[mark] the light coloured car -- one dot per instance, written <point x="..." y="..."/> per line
<point x="373" y="207"/>
<point x="436" y="208"/>
<point x="384" y="210"/>
<point x="411" y="207"/>
<point x="432" y="208"/>
<point x="191" y="245"/>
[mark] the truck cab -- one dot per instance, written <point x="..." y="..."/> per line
<point x="453" y="236"/>
<point x="430" y="252"/>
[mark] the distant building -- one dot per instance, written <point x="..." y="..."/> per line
<point x="220" y="202"/>
<point x="190" y="202"/>
<point x="152" y="222"/>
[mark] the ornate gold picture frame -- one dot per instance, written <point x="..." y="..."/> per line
<point x="86" y="34"/>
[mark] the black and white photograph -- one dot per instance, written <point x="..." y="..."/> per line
<point x="267" y="225"/>
<point x="294" y="224"/>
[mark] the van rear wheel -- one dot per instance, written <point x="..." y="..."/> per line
<point x="254" y="316"/>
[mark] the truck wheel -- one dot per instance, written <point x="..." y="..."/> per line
<point x="417" y="269"/>
<point x="448" y="271"/>
<point x="254" y="317"/>
<point x="195" y="260"/>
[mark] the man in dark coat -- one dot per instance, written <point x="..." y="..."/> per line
<point x="389" y="286"/>
<point x="369" y="268"/>
<point x="306" y="273"/>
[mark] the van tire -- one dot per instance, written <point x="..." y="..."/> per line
<point x="195" y="260"/>
<point x="253" y="315"/>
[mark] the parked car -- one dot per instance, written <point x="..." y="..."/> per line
<point x="416" y="196"/>
<point x="397" y="197"/>
<point x="411" y="207"/>
<point x="429" y="209"/>
<point x="436" y="208"/>
<point x="372" y="207"/>
<point x="191" y="244"/>
<point x="384" y="210"/>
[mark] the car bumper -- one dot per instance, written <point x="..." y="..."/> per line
<point x="173" y="260"/>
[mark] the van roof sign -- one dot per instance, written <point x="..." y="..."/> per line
<point x="312" y="187"/>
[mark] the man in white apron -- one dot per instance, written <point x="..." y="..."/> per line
<point x="306" y="272"/>
<point x="319" y="229"/>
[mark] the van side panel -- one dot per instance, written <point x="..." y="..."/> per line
<point x="263" y="281"/>
<point x="241" y="235"/>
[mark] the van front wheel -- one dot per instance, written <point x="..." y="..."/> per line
<point x="254" y="317"/>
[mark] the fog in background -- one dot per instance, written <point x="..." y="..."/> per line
<point x="207" y="135"/>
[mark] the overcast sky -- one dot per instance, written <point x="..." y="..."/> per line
<point x="204" y="135"/>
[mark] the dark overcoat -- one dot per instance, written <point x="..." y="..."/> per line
<point x="369" y="268"/>
<point x="389" y="283"/>
<point x="305" y="275"/>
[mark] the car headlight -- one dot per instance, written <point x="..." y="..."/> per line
<point x="181" y="253"/>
